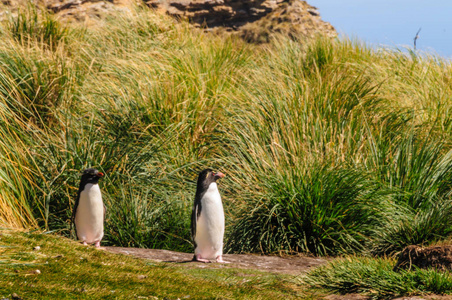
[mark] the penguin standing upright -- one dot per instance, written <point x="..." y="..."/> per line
<point x="89" y="210"/>
<point x="207" y="219"/>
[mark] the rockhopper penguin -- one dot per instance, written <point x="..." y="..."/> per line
<point x="207" y="219"/>
<point x="89" y="210"/>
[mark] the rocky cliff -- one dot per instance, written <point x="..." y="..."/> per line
<point x="254" y="20"/>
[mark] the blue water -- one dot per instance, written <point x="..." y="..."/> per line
<point x="392" y="23"/>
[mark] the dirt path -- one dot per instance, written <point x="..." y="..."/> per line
<point x="293" y="265"/>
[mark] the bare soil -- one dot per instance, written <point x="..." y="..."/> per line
<point x="293" y="265"/>
<point x="437" y="257"/>
<point x="361" y="297"/>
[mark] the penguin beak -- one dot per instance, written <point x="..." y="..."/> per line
<point x="100" y="174"/>
<point x="219" y="175"/>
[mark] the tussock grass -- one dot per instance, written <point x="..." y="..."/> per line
<point x="329" y="146"/>
<point x="321" y="212"/>
<point x="15" y="180"/>
<point x="375" y="278"/>
<point x="31" y="26"/>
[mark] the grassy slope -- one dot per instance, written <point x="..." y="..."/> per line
<point x="71" y="271"/>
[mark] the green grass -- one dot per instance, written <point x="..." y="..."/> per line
<point x="376" y="279"/>
<point x="329" y="146"/>
<point x="72" y="271"/>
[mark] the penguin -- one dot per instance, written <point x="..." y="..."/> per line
<point x="207" y="218"/>
<point x="89" y="211"/>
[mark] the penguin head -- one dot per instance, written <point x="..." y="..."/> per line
<point x="206" y="177"/>
<point x="91" y="176"/>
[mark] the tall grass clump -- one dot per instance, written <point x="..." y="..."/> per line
<point x="311" y="120"/>
<point x="376" y="279"/>
<point x="35" y="86"/>
<point x="33" y="25"/>
<point x="16" y="177"/>
<point x="418" y="169"/>
<point x="39" y="71"/>
<point x="299" y="136"/>
<point x="34" y="80"/>
<point x="322" y="211"/>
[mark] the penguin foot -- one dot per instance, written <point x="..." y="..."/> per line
<point x="220" y="260"/>
<point x="97" y="244"/>
<point x="84" y="243"/>
<point x="197" y="257"/>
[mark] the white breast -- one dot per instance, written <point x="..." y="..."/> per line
<point x="210" y="225"/>
<point x="89" y="218"/>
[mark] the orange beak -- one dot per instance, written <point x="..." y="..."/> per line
<point x="219" y="174"/>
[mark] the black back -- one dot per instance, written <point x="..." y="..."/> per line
<point x="205" y="178"/>
<point x="88" y="176"/>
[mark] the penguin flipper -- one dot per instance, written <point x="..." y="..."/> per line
<point x="74" y="212"/>
<point x="194" y="220"/>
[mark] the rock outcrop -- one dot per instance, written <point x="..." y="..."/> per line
<point x="254" y="20"/>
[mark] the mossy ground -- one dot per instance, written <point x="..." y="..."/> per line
<point x="69" y="270"/>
